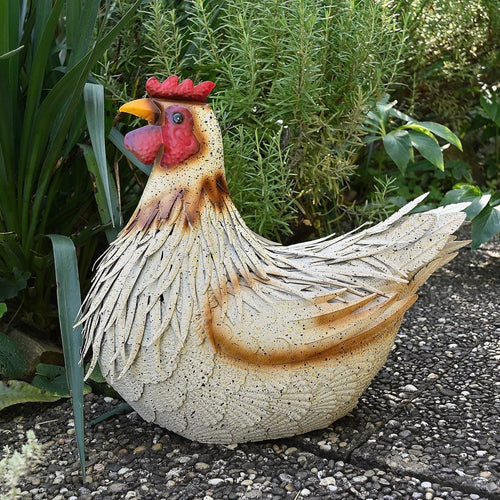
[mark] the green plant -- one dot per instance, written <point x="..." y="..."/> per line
<point x="400" y="142"/>
<point x="487" y="123"/>
<point x="483" y="211"/>
<point x="47" y="52"/>
<point x="14" y="465"/>
<point x="452" y="50"/>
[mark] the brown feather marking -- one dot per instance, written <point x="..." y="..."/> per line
<point x="157" y="212"/>
<point x="239" y="353"/>
<point x="329" y="317"/>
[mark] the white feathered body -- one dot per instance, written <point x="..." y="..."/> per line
<point x="219" y="335"/>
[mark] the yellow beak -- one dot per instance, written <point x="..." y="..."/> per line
<point x="143" y="108"/>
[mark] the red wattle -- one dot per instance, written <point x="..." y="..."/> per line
<point x="144" y="143"/>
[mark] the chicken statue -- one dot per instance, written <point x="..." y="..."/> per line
<point x="222" y="336"/>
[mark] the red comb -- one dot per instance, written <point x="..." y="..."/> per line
<point x="172" y="89"/>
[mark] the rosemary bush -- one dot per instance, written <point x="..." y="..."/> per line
<point x="294" y="81"/>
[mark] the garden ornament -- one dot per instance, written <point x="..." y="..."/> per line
<point x="222" y="336"/>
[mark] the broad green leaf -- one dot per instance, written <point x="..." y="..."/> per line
<point x="53" y="379"/>
<point x="117" y="139"/>
<point x="3" y="308"/>
<point x="13" y="283"/>
<point x="93" y="96"/>
<point x="428" y="147"/>
<point x="477" y="205"/>
<point x="485" y="226"/>
<point x="398" y="114"/>
<point x="69" y="301"/>
<point x="397" y="144"/>
<point x="13" y="392"/>
<point x="467" y="192"/>
<point x="12" y="362"/>
<point x="443" y="132"/>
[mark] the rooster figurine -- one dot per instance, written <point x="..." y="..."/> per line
<point x="215" y="333"/>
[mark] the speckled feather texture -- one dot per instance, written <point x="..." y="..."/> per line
<point x="221" y="336"/>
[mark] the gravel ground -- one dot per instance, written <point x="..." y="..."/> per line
<point x="427" y="427"/>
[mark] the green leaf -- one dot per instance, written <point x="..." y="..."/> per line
<point x="467" y="192"/>
<point x="12" y="361"/>
<point x="100" y="193"/>
<point x="124" y="407"/>
<point x="67" y="90"/>
<point x="13" y="392"/>
<point x="93" y="96"/>
<point x="383" y="108"/>
<point x="11" y="53"/>
<point x="69" y="301"/>
<point x="428" y="147"/>
<point x="3" y="308"/>
<point x="398" y="114"/>
<point x="80" y="23"/>
<point x="96" y="375"/>
<point x="485" y="226"/>
<point x="12" y="284"/>
<point x="52" y="378"/>
<point x="397" y="144"/>
<point x="477" y="205"/>
<point x="443" y="132"/>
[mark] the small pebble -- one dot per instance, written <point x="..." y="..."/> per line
<point x="327" y="481"/>
<point x="410" y="388"/>
<point x="359" y="479"/>
<point x="139" y="449"/>
<point x="425" y="484"/>
<point x="201" y="466"/>
<point x="157" y="447"/>
<point x="215" y="481"/>
<point x="116" y="488"/>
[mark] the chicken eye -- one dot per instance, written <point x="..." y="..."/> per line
<point x="177" y="118"/>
